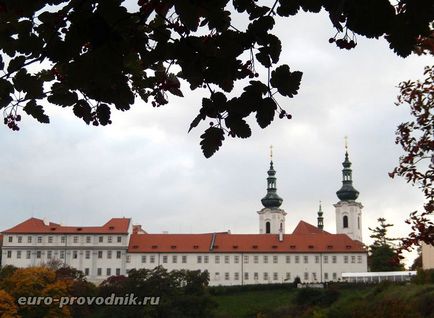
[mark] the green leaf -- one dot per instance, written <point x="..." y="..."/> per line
<point x="61" y="96"/>
<point x="211" y="141"/>
<point x="36" y="111"/>
<point x="286" y="82"/>
<point x="6" y="89"/>
<point x="16" y="63"/>
<point x="83" y="110"/>
<point x="238" y="126"/>
<point x="103" y="114"/>
<point x="266" y="111"/>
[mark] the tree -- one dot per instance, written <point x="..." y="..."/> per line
<point x="416" y="138"/>
<point x="94" y="56"/>
<point x="383" y="256"/>
<point x="8" y="307"/>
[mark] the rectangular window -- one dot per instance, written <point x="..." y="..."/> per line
<point x="288" y="259"/>
<point x="353" y="259"/>
<point x="346" y="259"/>
<point x="246" y="259"/>
<point x="128" y="259"/>
<point x="62" y="254"/>
<point x="297" y="259"/>
<point x="28" y="254"/>
<point x="265" y="276"/>
<point x="359" y="259"/>
<point x="29" y="239"/>
<point x="326" y="276"/>
<point x="288" y="276"/>
<point x="275" y="259"/>
<point x="101" y="239"/>
<point x="305" y="259"/>
<point x="143" y="258"/>
<point x="118" y="254"/>
<point x="199" y="259"/>
<point x="206" y="259"/>
<point x="38" y="254"/>
<point x="174" y="259"/>
<point x="164" y="259"/>
<point x="334" y="259"/>
<point x="74" y="254"/>
<point x="110" y="239"/>
<point x="255" y="259"/>
<point x="18" y="254"/>
<point x="87" y="254"/>
<point x="39" y="239"/>
<point x="109" y="254"/>
<point x="275" y="276"/>
<point x="49" y="254"/>
<point x="316" y="259"/>
<point x="10" y="238"/>
<point x="99" y="271"/>
<point x="99" y="254"/>
<point x="236" y="259"/>
<point x="217" y="276"/>
<point x="86" y="271"/>
<point x="152" y="259"/>
<point x="87" y="239"/>
<point x="217" y="259"/>
<point x="62" y="239"/>
<point x="184" y="259"/>
<point x="50" y="239"/>
<point x="246" y="276"/>
<point x="109" y="271"/>
<point x="119" y="239"/>
<point x="226" y="276"/>
<point x="314" y="276"/>
<point x="255" y="276"/>
<point x="326" y="259"/>
<point x="265" y="259"/>
<point x="226" y="259"/>
<point x="306" y="276"/>
<point x="20" y="239"/>
<point x="118" y="271"/>
<point x="75" y="239"/>
<point x="236" y="276"/>
<point x="335" y="276"/>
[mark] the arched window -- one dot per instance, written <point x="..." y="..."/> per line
<point x="267" y="227"/>
<point x="345" y="221"/>
<point x="281" y="226"/>
<point x="358" y="222"/>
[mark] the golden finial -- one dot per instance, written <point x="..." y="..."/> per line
<point x="346" y="143"/>
<point x="271" y="152"/>
<point x="320" y="205"/>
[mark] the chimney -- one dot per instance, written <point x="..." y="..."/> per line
<point x="46" y="222"/>
<point x="280" y="236"/>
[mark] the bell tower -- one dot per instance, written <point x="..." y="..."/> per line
<point x="271" y="217"/>
<point x="348" y="211"/>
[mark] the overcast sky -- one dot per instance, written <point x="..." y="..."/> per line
<point x="145" y="165"/>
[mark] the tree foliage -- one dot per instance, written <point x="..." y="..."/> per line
<point x="383" y="256"/>
<point x="96" y="56"/>
<point x="416" y="138"/>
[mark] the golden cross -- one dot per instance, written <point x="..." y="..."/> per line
<point x="271" y="152"/>
<point x="346" y="142"/>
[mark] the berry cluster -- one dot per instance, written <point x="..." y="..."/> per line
<point x="344" y="43"/>
<point x="11" y="121"/>
<point x="248" y="69"/>
<point x="284" y="114"/>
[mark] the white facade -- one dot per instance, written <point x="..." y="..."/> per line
<point x="257" y="268"/>
<point x="349" y="219"/>
<point x="271" y="221"/>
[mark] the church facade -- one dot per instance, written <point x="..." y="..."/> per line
<point x="272" y="256"/>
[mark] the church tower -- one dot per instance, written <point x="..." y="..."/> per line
<point x="271" y="217"/>
<point x="348" y="211"/>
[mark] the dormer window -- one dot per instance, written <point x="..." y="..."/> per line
<point x="255" y="246"/>
<point x="292" y="247"/>
<point x="111" y="227"/>
<point x="195" y="247"/>
<point x="311" y="246"/>
<point x="274" y="246"/>
<point x="235" y="246"/>
<point x="173" y="247"/>
<point x="154" y="246"/>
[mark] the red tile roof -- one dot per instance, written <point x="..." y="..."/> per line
<point x="305" y="238"/>
<point x="35" y="225"/>
<point x="148" y="243"/>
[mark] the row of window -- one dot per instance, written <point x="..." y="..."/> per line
<point x="50" y="254"/>
<point x="99" y="271"/>
<point x="265" y="259"/>
<point x="75" y="239"/>
<point x="275" y="276"/>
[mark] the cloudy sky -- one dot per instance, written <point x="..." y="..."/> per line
<point x="147" y="167"/>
